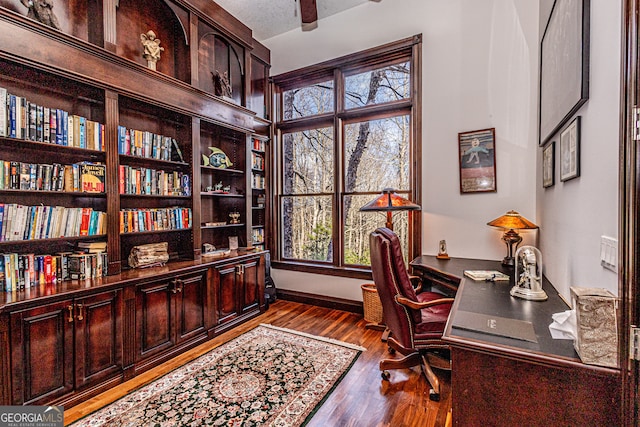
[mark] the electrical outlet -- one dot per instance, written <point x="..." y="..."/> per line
<point x="609" y="253"/>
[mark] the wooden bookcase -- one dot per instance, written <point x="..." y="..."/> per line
<point x="92" y="67"/>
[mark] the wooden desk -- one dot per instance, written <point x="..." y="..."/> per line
<point x="501" y="381"/>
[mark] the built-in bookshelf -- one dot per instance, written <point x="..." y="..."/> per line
<point x="258" y="190"/>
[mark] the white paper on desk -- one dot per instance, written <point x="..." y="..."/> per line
<point x="564" y="325"/>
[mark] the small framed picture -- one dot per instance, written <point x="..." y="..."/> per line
<point x="233" y="243"/>
<point x="549" y="164"/>
<point x="570" y="151"/>
<point x="477" y="156"/>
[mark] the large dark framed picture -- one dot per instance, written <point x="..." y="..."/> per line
<point x="477" y="155"/>
<point x="564" y="65"/>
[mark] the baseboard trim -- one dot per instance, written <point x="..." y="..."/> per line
<point x="321" y="301"/>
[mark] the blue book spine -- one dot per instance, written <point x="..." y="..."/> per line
<point x="12" y="116"/>
<point x="59" y="128"/>
<point x="7" y="273"/>
<point x="83" y="133"/>
<point x="65" y="128"/>
<point x="122" y="133"/>
<point x="1" y="220"/>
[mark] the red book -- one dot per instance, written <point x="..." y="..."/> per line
<point x="122" y="178"/>
<point x="48" y="269"/>
<point x="84" y="221"/>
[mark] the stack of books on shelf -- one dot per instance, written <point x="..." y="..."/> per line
<point x="155" y="219"/>
<point x="21" y="271"/>
<point x="257" y="235"/>
<point x="133" y="142"/>
<point x="22" y="119"/>
<point x="257" y="162"/>
<point x="258" y="144"/>
<point x="20" y="222"/>
<point x="78" y="177"/>
<point x="257" y="181"/>
<point x="139" y="180"/>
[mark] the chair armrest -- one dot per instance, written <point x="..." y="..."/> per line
<point x="419" y="305"/>
<point x="416" y="282"/>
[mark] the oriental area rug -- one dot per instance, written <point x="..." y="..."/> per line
<point x="268" y="376"/>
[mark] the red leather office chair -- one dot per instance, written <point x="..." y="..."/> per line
<point x="415" y="319"/>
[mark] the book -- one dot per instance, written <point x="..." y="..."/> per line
<point x="3" y="116"/>
<point x="487" y="275"/>
<point x="92" y="177"/>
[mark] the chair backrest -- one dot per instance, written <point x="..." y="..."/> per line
<point x="391" y="278"/>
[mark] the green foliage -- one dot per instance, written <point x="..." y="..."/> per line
<point x="317" y="243"/>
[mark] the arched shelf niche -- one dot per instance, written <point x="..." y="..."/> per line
<point x="217" y="53"/>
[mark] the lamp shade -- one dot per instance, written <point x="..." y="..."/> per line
<point x="390" y="201"/>
<point x="512" y="220"/>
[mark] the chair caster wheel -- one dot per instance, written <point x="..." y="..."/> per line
<point x="385" y="375"/>
<point x="434" y="396"/>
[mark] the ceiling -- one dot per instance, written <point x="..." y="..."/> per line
<point x="268" y="18"/>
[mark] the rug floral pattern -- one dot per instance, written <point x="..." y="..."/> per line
<point x="266" y="377"/>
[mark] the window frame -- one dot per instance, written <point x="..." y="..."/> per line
<point x="405" y="50"/>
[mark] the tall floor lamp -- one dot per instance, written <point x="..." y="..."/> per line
<point x="388" y="202"/>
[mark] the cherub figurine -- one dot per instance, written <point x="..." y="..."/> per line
<point x="42" y="11"/>
<point x="152" y="48"/>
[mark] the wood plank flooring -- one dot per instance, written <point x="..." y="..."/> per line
<point x="361" y="399"/>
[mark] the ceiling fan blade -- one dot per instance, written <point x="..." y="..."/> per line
<point x="308" y="11"/>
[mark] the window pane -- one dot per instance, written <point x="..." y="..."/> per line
<point x="358" y="225"/>
<point x="386" y="84"/>
<point x="306" y="228"/>
<point x="308" y="161"/>
<point x="377" y="154"/>
<point x="308" y="101"/>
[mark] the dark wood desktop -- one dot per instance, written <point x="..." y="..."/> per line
<point x="499" y="381"/>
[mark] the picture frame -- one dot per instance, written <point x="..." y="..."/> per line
<point x="570" y="151"/>
<point x="564" y="66"/>
<point x="477" y="161"/>
<point x="549" y="164"/>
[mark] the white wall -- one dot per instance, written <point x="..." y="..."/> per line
<point x="480" y="65"/>
<point x="574" y="214"/>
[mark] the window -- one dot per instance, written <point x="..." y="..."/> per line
<point x="346" y="129"/>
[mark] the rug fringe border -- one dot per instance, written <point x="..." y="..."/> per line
<point x="316" y="337"/>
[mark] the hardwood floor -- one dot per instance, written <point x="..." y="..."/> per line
<point x="361" y="399"/>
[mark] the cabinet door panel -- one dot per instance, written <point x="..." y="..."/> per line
<point x="154" y="319"/>
<point x="98" y="337"/>
<point x="42" y="353"/>
<point x="251" y="288"/>
<point x="226" y="293"/>
<point x="191" y="306"/>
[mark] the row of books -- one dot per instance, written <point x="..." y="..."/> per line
<point x="139" y="180"/>
<point x="257" y="181"/>
<point x="155" y="219"/>
<point x="133" y="142"/>
<point x="22" y="119"/>
<point x="22" y="271"/>
<point x="82" y="177"/>
<point x="258" y="144"/>
<point x="257" y="161"/>
<point x="257" y="235"/>
<point x="20" y="222"/>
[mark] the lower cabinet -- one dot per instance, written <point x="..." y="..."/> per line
<point x="68" y="348"/>
<point x="237" y="289"/>
<point x="169" y="312"/>
<point x="64" y="346"/>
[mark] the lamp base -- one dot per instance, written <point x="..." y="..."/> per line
<point x="508" y="261"/>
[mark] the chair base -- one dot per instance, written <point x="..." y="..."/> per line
<point x="426" y="360"/>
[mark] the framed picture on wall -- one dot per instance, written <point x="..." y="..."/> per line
<point x="549" y="164"/>
<point x="477" y="160"/>
<point x="570" y="151"/>
<point x="564" y="65"/>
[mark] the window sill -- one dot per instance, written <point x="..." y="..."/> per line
<point x="328" y="270"/>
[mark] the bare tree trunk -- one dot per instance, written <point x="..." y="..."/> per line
<point x="288" y="176"/>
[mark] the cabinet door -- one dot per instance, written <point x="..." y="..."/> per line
<point x="190" y="304"/>
<point x="42" y="353"/>
<point x="155" y="322"/>
<point x="98" y="333"/>
<point x="250" y="281"/>
<point x="227" y="292"/>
